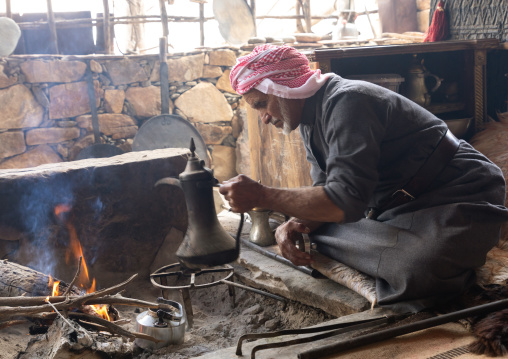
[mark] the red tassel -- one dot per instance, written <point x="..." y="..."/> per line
<point x="438" y="29"/>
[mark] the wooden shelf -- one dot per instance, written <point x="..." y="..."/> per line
<point x="461" y="61"/>
<point x="416" y="48"/>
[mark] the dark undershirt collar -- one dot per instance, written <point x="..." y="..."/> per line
<point x="309" y="108"/>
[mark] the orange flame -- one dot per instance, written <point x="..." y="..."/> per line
<point x="74" y="251"/>
<point x="55" y="290"/>
<point x="102" y="310"/>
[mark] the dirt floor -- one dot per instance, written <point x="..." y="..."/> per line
<point x="217" y="324"/>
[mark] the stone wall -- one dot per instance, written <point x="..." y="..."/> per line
<point x="46" y="116"/>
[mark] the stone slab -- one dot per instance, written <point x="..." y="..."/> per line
<point x="262" y="272"/>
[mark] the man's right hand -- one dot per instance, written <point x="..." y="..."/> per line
<point x="287" y="234"/>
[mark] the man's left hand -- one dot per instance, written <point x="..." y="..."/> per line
<point x="242" y="193"/>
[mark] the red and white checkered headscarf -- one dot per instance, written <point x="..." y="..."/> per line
<point x="276" y="70"/>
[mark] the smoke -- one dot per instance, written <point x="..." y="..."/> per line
<point x="97" y="206"/>
<point x="41" y="223"/>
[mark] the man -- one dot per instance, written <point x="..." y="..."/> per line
<point x="434" y="204"/>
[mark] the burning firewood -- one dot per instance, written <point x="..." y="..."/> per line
<point x="65" y="312"/>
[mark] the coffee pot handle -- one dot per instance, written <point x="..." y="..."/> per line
<point x="438" y="81"/>
<point x="169" y="181"/>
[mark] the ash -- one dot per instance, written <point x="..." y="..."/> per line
<point x="217" y="324"/>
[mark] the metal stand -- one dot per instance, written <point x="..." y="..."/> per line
<point x="179" y="271"/>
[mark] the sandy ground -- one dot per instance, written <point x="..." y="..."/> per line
<point x="217" y="323"/>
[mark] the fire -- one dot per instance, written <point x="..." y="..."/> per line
<point x="54" y="293"/>
<point x="74" y="252"/>
<point x="102" y="310"/>
<point x="54" y="284"/>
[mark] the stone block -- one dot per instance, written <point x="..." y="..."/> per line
<point x="6" y="81"/>
<point x="40" y="136"/>
<point x="37" y="71"/>
<point x="95" y="67"/>
<point x="204" y="103"/>
<point x="37" y="156"/>
<point x="146" y="101"/>
<point x="109" y="123"/>
<point x="79" y="145"/>
<point x="113" y="100"/>
<point x="186" y="68"/>
<point x="70" y="100"/>
<point x="12" y="143"/>
<point x="222" y="58"/>
<point x="224" y="84"/>
<point x="212" y="71"/>
<point x="126" y="71"/>
<point x="212" y="134"/>
<point x="19" y="107"/>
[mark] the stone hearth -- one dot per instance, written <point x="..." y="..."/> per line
<point x="121" y="220"/>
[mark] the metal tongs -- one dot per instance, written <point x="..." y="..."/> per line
<point x="329" y="331"/>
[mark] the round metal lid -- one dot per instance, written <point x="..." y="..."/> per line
<point x="169" y="131"/>
<point x="236" y="23"/>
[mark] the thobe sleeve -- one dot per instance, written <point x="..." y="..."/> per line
<point x="352" y="129"/>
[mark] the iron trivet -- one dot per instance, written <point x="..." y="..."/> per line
<point x="181" y="272"/>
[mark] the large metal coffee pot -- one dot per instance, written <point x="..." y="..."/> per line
<point x="205" y="243"/>
<point x="416" y="89"/>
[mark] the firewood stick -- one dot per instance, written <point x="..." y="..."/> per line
<point x="113" y="328"/>
<point x="7" y="312"/>
<point x="10" y="323"/>
<point x="111" y="300"/>
<point x="78" y="271"/>
<point x="104" y="324"/>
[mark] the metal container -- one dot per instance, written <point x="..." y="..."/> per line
<point x="260" y="232"/>
<point x="164" y="325"/>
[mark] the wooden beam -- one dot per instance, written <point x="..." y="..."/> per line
<point x="164" y="19"/>
<point x="253" y="9"/>
<point x="298" y="7"/>
<point x="8" y="11"/>
<point x="202" y="24"/>
<point x="107" y="28"/>
<point x="52" y="27"/>
<point x="308" y="18"/>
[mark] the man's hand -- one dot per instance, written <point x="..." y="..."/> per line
<point x="287" y="235"/>
<point x="242" y="193"/>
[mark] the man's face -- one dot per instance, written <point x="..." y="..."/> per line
<point x="282" y="113"/>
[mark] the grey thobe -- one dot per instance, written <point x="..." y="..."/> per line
<point x="365" y="142"/>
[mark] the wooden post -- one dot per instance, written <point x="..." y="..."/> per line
<point x="253" y="9"/>
<point x="298" y="7"/>
<point x="164" y="19"/>
<point x="107" y="28"/>
<point x="308" y="18"/>
<point x="202" y="24"/>
<point x="52" y="27"/>
<point x="8" y="11"/>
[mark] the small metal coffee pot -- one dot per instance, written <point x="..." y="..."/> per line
<point x="416" y="89"/>
<point x="205" y="243"/>
<point x="261" y="233"/>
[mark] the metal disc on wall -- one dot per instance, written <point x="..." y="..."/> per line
<point x="169" y="131"/>
<point x="236" y="22"/>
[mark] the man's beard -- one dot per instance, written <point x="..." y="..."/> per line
<point x="284" y="112"/>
